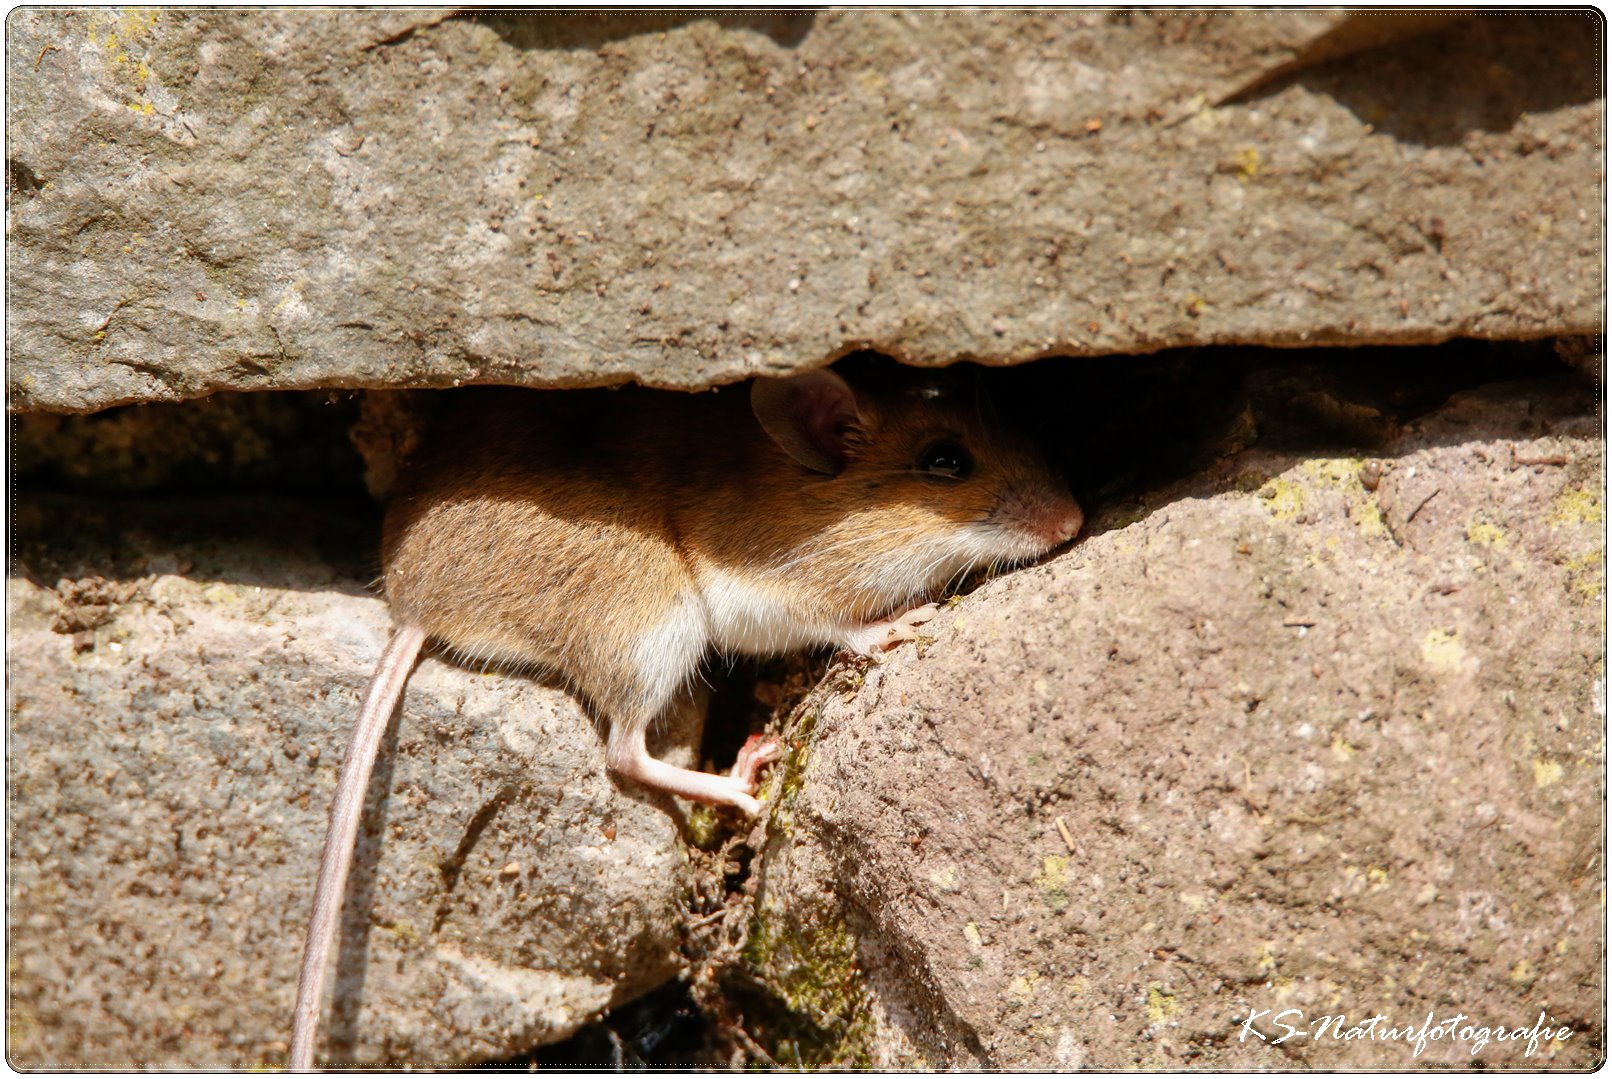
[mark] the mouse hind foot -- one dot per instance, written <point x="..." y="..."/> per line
<point x="758" y="751"/>
<point x="629" y="757"/>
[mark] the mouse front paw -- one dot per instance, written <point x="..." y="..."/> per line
<point x="876" y="637"/>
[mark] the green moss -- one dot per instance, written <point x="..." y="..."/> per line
<point x="704" y="830"/>
<point x="1239" y="436"/>
<point x="1128" y="514"/>
<point x="808" y="1005"/>
<point x="1249" y="481"/>
<point x="821" y="1016"/>
<point x="792" y="769"/>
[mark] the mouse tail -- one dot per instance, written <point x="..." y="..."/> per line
<point x="380" y="701"/>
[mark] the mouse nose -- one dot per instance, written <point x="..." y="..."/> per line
<point x="1055" y="519"/>
<point x="1064" y="522"/>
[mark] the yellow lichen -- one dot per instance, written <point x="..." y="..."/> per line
<point x="136" y="22"/>
<point x="1249" y="162"/>
<point x="1576" y="506"/>
<point x="1586" y="574"/>
<point x="1053" y="880"/>
<point x="120" y="35"/>
<point x="1334" y="471"/>
<point x="404" y="931"/>
<point x="1283" y="498"/>
<point x="1369" y="518"/>
<point x="1442" y="650"/>
<point x="1482" y="533"/>
<point x="1161" y="1004"/>
<point x="1546" y="772"/>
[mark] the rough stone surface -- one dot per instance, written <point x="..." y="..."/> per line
<point x="1315" y="746"/>
<point x="180" y="681"/>
<point x="204" y="200"/>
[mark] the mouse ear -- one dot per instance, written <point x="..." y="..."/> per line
<point x="808" y="416"/>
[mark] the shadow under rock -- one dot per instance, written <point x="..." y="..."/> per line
<point x="1483" y="73"/>
<point x="592" y="29"/>
<point x="271" y="541"/>
<point x="1154" y="428"/>
<point x="1115" y="427"/>
<point x="352" y="931"/>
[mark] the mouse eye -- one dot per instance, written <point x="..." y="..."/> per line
<point x="946" y="459"/>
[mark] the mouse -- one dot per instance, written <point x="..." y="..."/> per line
<point x="616" y="539"/>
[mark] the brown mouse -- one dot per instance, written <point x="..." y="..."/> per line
<point x="617" y="539"/>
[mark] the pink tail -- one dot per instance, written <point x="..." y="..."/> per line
<point x="380" y="701"/>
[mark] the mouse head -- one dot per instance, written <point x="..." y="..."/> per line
<point x="917" y="460"/>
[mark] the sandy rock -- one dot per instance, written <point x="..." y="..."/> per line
<point x="205" y="200"/>
<point x="1315" y="733"/>
<point x="177" y="705"/>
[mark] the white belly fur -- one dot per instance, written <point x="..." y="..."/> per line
<point x="745" y="619"/>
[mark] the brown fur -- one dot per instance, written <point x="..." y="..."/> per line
<point x="555" y="528"/>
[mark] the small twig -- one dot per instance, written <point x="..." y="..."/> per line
<point x="120" y="305"/>
<point x="1063" y="830"/>
<point x="1423" y="503"/>
<point x="1523" y="462"/>
<point x="42" y="52"/>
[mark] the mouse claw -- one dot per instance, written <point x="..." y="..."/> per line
<point x="876" y="637"/>
<point x="758" y="751"/>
